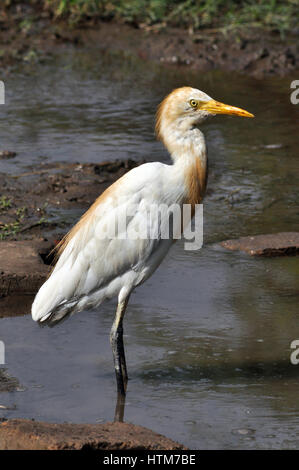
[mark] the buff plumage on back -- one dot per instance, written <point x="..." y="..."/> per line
<point x="83" y="222"/>
<point x="159" y="115"/>
<point x="196" y="181"/>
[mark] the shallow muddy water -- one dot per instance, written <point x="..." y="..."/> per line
<point x="208" y="336"/>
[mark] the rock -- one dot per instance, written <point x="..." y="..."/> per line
<point x="7" y="383"/>
<point x="17" y="434"/>
<point x="6" y="154"/>
<point x="276" y="244"/>
<point x="22" y="270"/>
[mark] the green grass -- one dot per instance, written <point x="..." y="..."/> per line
<point x="271" y="14"/>
<point x="5" y="203"/>
<point x="9" y="230"/>
<point x="278" y="15"/>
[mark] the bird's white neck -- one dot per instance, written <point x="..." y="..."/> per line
<point x="184" y="141"/>
<point x="186" y="145"/>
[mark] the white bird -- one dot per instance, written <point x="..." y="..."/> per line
<point x="92" y="266"/>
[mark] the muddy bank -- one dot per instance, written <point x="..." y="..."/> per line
<point x="254" y="53"/>
<point x="31" y="35"/>
<point x="46" y="202"/>
<point x="22" y="434"/>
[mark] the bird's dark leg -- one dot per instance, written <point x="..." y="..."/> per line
<point x="117" y="345"/>
<point x="120" y="408"/>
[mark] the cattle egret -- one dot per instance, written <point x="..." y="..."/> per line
<point x="91" y="267"/>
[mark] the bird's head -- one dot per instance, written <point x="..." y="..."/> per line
<point x="186" y="107"/>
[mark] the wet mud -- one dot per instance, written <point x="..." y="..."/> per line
<point x="251" y="51"/>
<point x="25" y="434"/>
<point x="31" y="202"/>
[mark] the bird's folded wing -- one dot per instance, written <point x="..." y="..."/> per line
<point x="95" y="254"/>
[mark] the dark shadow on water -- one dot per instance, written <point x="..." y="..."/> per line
<point x="223" y="372"/>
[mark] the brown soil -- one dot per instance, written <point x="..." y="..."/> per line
<point x="249" y="52"/>
<point x="254" y="52"/>
<point x="22" y="434"/>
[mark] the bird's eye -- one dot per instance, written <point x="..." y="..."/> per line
<point x="193" y="103"/>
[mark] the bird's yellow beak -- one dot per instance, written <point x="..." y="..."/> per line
<point x="215" y="107"/>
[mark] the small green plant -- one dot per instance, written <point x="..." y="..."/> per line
<point x="20" y="213"/>
<point x="11" y="229"/>
<point x="43" y="220"/>
<point x="26" y="24"/>
<point x="31" y="56"/>
<point x="5" y="203"/>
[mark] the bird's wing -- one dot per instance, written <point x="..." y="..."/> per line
<point x="90" y="259"/>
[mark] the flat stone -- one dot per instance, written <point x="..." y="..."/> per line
<point x="276" y="244"/>
<point x="24" y="434"/>
<point x="22" y="269"/>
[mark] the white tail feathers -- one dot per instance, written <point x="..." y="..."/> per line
<point x="64" y="293"/>
<point x="47" y="299"/>
<point x="58" y="294"/>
